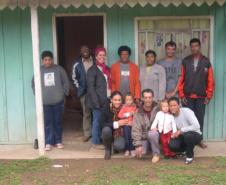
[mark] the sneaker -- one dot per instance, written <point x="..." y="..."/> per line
<point x="155" y="159"/>
<point x="188" y="160"/>
<point x="48" y="147"/>
<point x="133" y="153"/>
<point x="59" y="145"/>
<point x="126" y="153"/>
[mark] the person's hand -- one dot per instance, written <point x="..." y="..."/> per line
<point x="184" y="101"/>
<point x="207" y="100"/>
<point x="176" y="134"/>
<point x="139" y="151"/>
<point x="154" y="129"/>
<point x="123" y="122"/>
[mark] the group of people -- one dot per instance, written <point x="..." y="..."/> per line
<point x="131" y="109"/>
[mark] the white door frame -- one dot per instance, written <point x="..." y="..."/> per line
<point x="211" y="18"/>
<point x="55" y="51"/>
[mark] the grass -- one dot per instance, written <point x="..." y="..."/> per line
<point x="119" y="172"/>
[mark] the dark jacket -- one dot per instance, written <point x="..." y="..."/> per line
<point x="199" y="83"/>
<point x="106" y="119"/>
<point x="96" y="95"/>
<point x="79" y="77"/>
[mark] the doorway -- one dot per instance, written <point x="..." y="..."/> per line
<point x="72" y="32"/>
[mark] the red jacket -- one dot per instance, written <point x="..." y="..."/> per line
<point x="135" y="88"/>
<point x="199" y="83"/>
<point x="127" y="109"/>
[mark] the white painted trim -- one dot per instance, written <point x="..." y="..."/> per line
<point x="104" y="15"/>
<point x="37" y="80"/>
<point x="211" y="18"/>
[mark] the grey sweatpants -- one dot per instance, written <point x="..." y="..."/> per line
<point x="152" y="143"/>
<point x="86" y="118"/>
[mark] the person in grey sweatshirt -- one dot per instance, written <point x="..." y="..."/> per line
<point x="188" y="134"/>
<point x="55" y="86"/>
<point x="153" y="76"/>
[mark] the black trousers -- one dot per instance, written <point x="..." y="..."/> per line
<point x="198" y="107"/>
<point x="185" y="143"/>
<point x="109" y="140"/>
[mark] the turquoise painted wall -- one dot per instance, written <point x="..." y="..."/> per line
<point x="17" y="110"/>
<point x="120" y="29"/>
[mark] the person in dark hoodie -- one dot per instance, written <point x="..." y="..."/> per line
<point x="55" y="86"/>
<point x="79" y="77"/>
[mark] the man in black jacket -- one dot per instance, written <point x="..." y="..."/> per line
<point x="79" y="72"/>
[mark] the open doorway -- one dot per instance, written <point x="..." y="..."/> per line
<point x="71" y="33"/>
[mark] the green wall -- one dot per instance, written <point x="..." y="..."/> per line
<point x="17" y="110"/>
<point x="120" y="30"/>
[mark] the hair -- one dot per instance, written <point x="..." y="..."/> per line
<point x="47" y="54"/>
<point x="124" y="48"/>
<point x="147" y="91"/>
<point x="171" y="44"/>
<point x="161" y="102"/>
<point x="152" y="52"/>
<point x="128" y="95"/>
<point x="195" y="40"/>
<point x="114" y="93"/>
<point x="174" y="99"/>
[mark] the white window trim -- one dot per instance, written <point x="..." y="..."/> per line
<point x="211" y="18"/>
<point x="55" y="51"/>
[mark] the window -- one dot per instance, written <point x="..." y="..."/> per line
<point x="154" y="33"/>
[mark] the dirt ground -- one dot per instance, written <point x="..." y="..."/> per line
<point x="204" y="171"/>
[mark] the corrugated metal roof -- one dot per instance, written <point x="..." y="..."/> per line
<point x="12" y="4"/>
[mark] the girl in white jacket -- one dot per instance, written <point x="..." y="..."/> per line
<point x="165" y="124"/>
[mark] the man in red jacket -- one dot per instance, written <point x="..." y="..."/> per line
<point x="196" y="85"/>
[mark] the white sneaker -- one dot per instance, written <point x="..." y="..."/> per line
<point x="188" y="160"/>
<point x="48" y="147"/>
<point x="59" y="145"/>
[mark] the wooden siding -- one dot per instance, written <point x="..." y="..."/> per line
<point x="17" y="111"/>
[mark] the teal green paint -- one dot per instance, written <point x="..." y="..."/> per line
<point x="3" y="102"/>
<point x="17" y="111"/>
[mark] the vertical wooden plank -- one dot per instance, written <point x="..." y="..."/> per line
<point x="45" y="24"/>
<point x="219" y="71"/>
<point x="224" y="41"/>
<point x="3" y="102"/>
<point x="29" y="103"/>
<point x="37" y="79"/>
<point x="14" y="78"/>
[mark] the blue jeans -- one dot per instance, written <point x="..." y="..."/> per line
<point x="96" y="127"/>
<point x="128" y="138"/>
<point x="52" y="121"/>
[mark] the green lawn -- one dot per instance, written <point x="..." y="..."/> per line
<point x="205" y="171"/>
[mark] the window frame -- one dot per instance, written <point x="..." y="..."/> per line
<point x="153" y="18"/>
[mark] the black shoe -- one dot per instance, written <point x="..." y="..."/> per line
<point x="107" y="155"/>
<point x="166" y="157"/>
